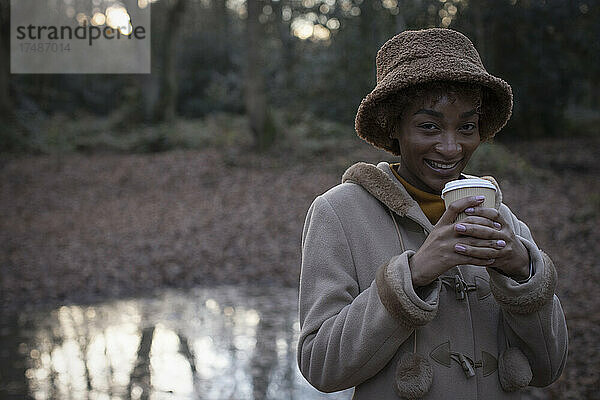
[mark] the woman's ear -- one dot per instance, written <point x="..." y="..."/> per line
<point x="395" y="147"/>
<point x="394" y="135"/>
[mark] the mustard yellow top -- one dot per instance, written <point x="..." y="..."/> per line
<point x="432" y="205"/>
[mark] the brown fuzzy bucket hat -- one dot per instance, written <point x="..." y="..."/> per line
<point x="423" y="56"/>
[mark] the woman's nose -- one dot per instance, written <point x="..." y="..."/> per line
<point x="448" y="147"/>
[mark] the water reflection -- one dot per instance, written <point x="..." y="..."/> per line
<point x="217" y="343"/>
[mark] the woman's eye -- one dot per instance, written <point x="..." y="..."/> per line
<point x="469" y="128"/>
<point x="428" y="126"/>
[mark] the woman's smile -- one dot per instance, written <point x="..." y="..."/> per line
<point x="440" y="165"/>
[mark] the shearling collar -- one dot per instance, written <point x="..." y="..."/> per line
<point x="380" y="182"/>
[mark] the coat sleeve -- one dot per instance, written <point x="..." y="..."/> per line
<point x="533" y="317"/>
<point x="348" y="335"/>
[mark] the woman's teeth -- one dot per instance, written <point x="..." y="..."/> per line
<point x="441" y="165"/>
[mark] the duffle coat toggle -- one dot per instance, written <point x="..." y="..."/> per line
<point x="465" y="362"/>
<point x="444" y="355"/>
<point x="460" y="286"/>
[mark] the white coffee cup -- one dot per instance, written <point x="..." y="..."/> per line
<point x="461" y="188"/>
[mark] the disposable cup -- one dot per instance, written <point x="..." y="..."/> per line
<point x="461" y="188"/>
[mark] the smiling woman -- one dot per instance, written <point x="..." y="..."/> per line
<point x="437" y="134"/>
<point x="397" y="298"/>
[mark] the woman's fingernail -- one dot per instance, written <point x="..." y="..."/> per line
<point x="460" y="247"/>
<point x="501" y="243"/>
<point x="470" y="210"/>
<point x="497" y="225"/>
<point x="479" y="198"/>
<point x="460" y="228"/>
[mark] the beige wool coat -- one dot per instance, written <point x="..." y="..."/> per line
<point x="360" y="315"/>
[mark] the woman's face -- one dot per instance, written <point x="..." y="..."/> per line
<point x="436" y="141"/>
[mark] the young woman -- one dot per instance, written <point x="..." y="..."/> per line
<point x="398" y="300"/>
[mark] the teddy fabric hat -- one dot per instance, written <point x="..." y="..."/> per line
<point x="422" y="56"/>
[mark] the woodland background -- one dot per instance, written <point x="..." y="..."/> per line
<point x="280" y="61"/>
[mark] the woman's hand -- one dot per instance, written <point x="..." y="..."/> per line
<point x="483" y="238"/>
<point x="438" y="253"/>
<point x="486" y="235"/>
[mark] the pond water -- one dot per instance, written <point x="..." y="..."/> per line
<point x="206" y="343"/>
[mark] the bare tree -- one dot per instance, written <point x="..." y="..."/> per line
<point x="5" y="103"/>
<point x="165" y="106"/>
<point x="288" y="57"/>
<point x="255" y="95"/>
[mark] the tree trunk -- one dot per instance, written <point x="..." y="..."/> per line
<point x="165" y="107"/>
<point x="5" y="103"/>
<point x="400" y="22"/>
<point x="221" y="29"/>
<point x="479" y="28"/>
<point x="287" y="51"/>
<point x="255" y="96"/>
<point x="368" y="24"/>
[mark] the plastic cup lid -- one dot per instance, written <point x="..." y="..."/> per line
<point x="469" y="182"/>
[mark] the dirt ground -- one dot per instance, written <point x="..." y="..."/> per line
<point x="89" y="227"/>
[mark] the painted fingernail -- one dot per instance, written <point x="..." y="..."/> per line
<point x="459" y="247"/>
<point x="470" y="210"/>
<point x="497" y="225"/>
<point x="480" y="198"/>
<point x="460" y="228"/>
<point x="501" y="243"/>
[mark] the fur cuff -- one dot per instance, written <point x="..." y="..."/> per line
<point x="394" y="286"/>
<point x="528" y="297"/>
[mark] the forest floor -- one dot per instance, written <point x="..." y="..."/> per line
<point x="87" y="227"/>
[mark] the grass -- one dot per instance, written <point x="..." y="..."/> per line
<point x="300" y="137"/>
<point x="94" y="134"/>
<point x="85" y="133"/>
